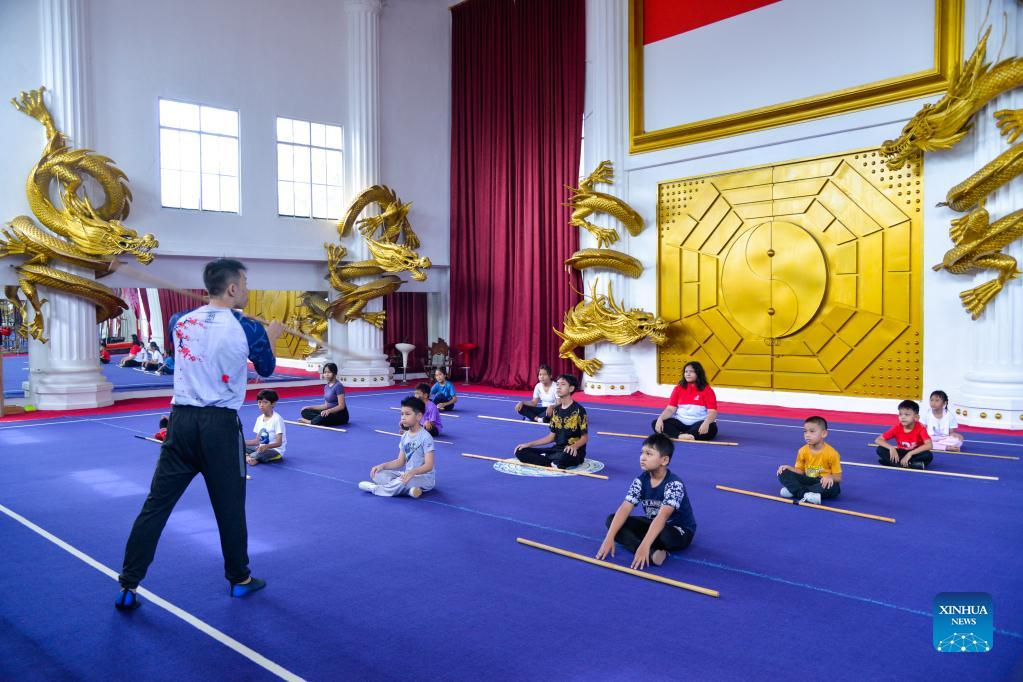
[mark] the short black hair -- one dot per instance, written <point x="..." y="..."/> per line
<point x="817" y="421"/>
<point x="570" y="380"/>
<point x="940" y="394"/>
<point x="417" y="405"/>
<point x="330" y="367"/>
<point x="219" y="274"/>
<point x="545" y="367"/>
<point x="153" y="344"/>
<point x="442" y="371"/>
<point x="164" y="422"/>
<point x="910" y="405"/>
<point x="661" y="443"/>
<point x="423" y="387"/>
<point x="268" y="394"/>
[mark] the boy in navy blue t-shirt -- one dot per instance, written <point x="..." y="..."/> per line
<point x="668" y="524"/>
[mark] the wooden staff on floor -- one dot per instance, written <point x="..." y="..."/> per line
<point x="315" y="426"/>
<point x="677" y="440"/>
<point x="959" y="452"/>
<point x="622" y="569"/>
<point x="536" y="466"/>
<point x="848" y="512"/>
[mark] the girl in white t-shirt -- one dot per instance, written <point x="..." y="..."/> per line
<point x="942" y="424"/>
<point x="268" y="445"/>
<point x="154" y="358"/>
<point x="541" y="407"/>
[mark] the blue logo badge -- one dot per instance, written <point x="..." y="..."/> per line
<point x="963" y="622"/>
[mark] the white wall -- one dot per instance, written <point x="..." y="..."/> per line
<point x="21" y="138"/>
<point x="947" y="327"/>
<point x="264" y="60"/>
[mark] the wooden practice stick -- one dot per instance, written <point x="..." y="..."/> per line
<point x="623" y="569"/>
<point x="392" y="433"/>
<point x="537" y="466"/>
<point x="446" y="415"/>
<point x="317" y="426"/>
<point x="921" y="471"/>
<point x="677" y="440"/>
<point x="514" y="421"/>
<point x="151" y="440"/>
<point x="887" y="519"/>
<point x="957" y="452"/>
<point x="164" y="284"/>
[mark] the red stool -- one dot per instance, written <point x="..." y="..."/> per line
<point x="466" y="349"/>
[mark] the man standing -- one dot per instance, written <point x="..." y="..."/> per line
<point x="211" y="347"/>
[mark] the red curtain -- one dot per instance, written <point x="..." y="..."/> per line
<point x="406" y="323"/>
<point x="174" y="302"/>
<point x="518" y="70"/>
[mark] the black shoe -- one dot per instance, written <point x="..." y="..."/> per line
<point x="127" y="600"/>
<point x="243" y="589"/>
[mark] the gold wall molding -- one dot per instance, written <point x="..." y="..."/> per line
<point x="948" y="41"/>
<point x="798" y="276"/>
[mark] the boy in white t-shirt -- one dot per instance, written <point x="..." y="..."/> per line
<point x="541" y="407"/>
<point x="268" y="445"/>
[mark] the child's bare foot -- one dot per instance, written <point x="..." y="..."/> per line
<point x="658" y="557"/>
<point x="687" y="436"/>
<point x="303" y="420"/>
<point x="252" y="461"/>
<point x="952" y="448"/>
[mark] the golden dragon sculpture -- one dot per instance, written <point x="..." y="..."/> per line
<point x="392" y="251"/>
<point x="978" y="242"/>
<point x="585" y="202"/>
<point x="601" y="319"/>
<point x="87" y="236"/>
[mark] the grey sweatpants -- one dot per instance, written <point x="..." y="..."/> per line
<point x="389" y="483"/>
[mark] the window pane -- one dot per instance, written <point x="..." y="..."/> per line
<point x="318" y="159"/>
<point x="334" y="137"/>
<point x="334" y="203"/>
<point x="221" y="121"/>
<point x="210" y="192"/>
<point x="286" y="198"/>
<point x="170" y="188"/>
<point x="285" y="162"/>
<point x="170" y="151"/>
<point x="228" y="193"/>
<point x="301" y="164"/>
<point x="333" y="167"/>
<point x="319" y="201"/>
<point x="301" y="132"/>
<point x="210" y="154"/>
<point x="302" y="199"/>
<point x="189" y="152"/>
<point x="284" y="130"/>
<point x="229" y="156"/>
<point x="317" y="134"/>
<point x="189" y="189"/>
<point x="179" y="114"/>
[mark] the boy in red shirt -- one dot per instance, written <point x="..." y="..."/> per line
<point x="912" y="443"/>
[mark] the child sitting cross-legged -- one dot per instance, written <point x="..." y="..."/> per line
<point x="268" y="445"/>
<point x="414" y="460"/>
<point x="818" y="470"/>
<point x="668" y="523"/>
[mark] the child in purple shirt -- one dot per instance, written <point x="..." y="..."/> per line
<point x="431" y="415"/>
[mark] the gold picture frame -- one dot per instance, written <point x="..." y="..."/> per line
<point x="948" y="56"/>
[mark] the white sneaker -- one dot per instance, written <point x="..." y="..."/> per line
<point x="538" y="420"/>
<point x="368" y="486"/>
<point x="785" y="493"/>
<point x="415" y="492"/>
<point x="812" y="498"/>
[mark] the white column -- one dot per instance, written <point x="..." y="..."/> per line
<point x="157" y="324"/>
<point x="365" y="364"/>
<point x="606" y="47"/>
<point x="66" y="374"/>
<point x="992" y="392"/>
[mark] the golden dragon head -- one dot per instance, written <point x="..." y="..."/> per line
<point x="398" y="257"/>
<point x="943" y="124"/>
<point x="620" y="326"/>
<point x="110" y="237"/>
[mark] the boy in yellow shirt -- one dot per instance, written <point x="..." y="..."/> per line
<point x="817" y="472"/>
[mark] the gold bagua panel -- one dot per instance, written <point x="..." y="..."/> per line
<point x="285" y="306"/>
<point x="802" y="276"/>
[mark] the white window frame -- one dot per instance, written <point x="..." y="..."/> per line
<point x="202" y="134"/>
<point x="326" y="185"/>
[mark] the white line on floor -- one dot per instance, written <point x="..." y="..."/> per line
<point x="200" y="625"/>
